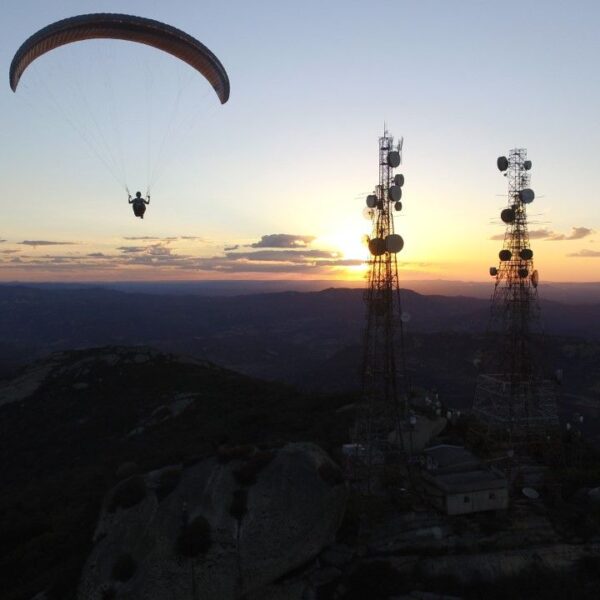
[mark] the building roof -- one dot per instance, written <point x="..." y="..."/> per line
<point x="452" y="458"/>
<point x="470" y="481"/>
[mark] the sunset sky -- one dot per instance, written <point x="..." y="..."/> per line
<point x="272" y="184"/>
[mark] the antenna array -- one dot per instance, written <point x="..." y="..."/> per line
<point x="378" y="438"/>
<point x="512" y="399"/>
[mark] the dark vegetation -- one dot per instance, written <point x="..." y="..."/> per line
<point x="194" y="538"/>
<point x="248" y="471"/>
<point x="239" y="504"/>
<point x="377" y="580"/>
<point x="330" y="473"/>
<point x="128" y="493"/>
<point x="535" y="583"/>
<point x="124" y="568"/>
<point x="168" y="481"/>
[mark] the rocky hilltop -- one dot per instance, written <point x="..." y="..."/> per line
<point x="130" y="473"/>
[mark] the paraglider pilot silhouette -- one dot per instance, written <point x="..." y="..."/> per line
<point x="139" y="204"/>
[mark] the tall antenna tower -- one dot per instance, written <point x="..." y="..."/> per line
<point x="378" y="433"/>
<point x="512" y="399"/>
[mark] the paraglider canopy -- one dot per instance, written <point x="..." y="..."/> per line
<point x="123" y="27"/>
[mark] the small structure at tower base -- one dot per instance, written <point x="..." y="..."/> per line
<point x="456" y="482"/>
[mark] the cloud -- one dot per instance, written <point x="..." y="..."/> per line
<point x="131" y="249"/>
<point x="46" y="243"/>
<point x="99" y="255"/>
<point x="8" y="251"/>
<point x="2" y="241"/>
<point x="577" y="233"/>
<point x="282" y="255"/>
<point x="158" y="250"/>
<point x="229" y="265"/>
<point x="585" y="253"/>
<point x="283" y="240"/>
<point x="274" y="254"/>
<point x="541" y="234"/>
<point x="156" y="238"/>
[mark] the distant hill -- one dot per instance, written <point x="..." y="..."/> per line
<point x="279" y="336"/>
<point x="566" y="292"/>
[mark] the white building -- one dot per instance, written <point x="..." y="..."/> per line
<point x="458" y="483"/>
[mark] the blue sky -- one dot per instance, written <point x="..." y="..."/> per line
<point x="295" y="149"/>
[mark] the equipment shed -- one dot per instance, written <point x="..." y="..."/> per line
<point x="458" y="483"/>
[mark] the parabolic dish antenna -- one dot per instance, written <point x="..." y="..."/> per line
<point x="535" y="279"/>
<point x="398" y="206"/>
<point x="399" y="179"/>
<point x="377" y="246"/>
<point x="508" y="215"/>
<point x="405" y="317"/>
<point x="523" y="272"/>
<point x="394" y="243"/>
<point x="393" y="159"/>
<point x="368" y="212"/>
<point x="493" y="271"/>
<point x="527" y="165"/>
<point x="526" y="254"/>
<point x="395" y="193"/>
<point x="371" y="200"/>
<point x="505" y="254"/>
<point x="502" y="163"/>
<point x="526" y="196"/>
<point x="530" y="493"/>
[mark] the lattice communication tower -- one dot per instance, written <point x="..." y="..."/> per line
<point x="378" y="435"/>
<point x="512" y="399"/>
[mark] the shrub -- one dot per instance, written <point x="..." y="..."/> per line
<point x="108" y="592"/>
<point x="127" y="470"/>
<point x="375" y="579"/>
<point x="247" y="473"/>
<point x="589" y="566"/>
<point x="128" y="493"/>
<point x="168" y="480"/>
<point x="226" y="454"/>
<point x="239" y="504"/>
<point x="330" y="473"/>
<point x="124" y="568"/>
<point x="194" y="538"/>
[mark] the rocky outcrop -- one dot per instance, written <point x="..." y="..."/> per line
<point x="266" y="514"/>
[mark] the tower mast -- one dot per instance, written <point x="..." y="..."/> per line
<point x="384" y="390"/>
<point x="512" y="399"/>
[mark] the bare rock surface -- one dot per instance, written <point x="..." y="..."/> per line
<point x="410" y="532"/>
<point x="292" y="513"/>
<point x="27" y="384"/>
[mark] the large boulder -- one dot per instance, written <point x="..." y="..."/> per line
<point x="219" y="530"/>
